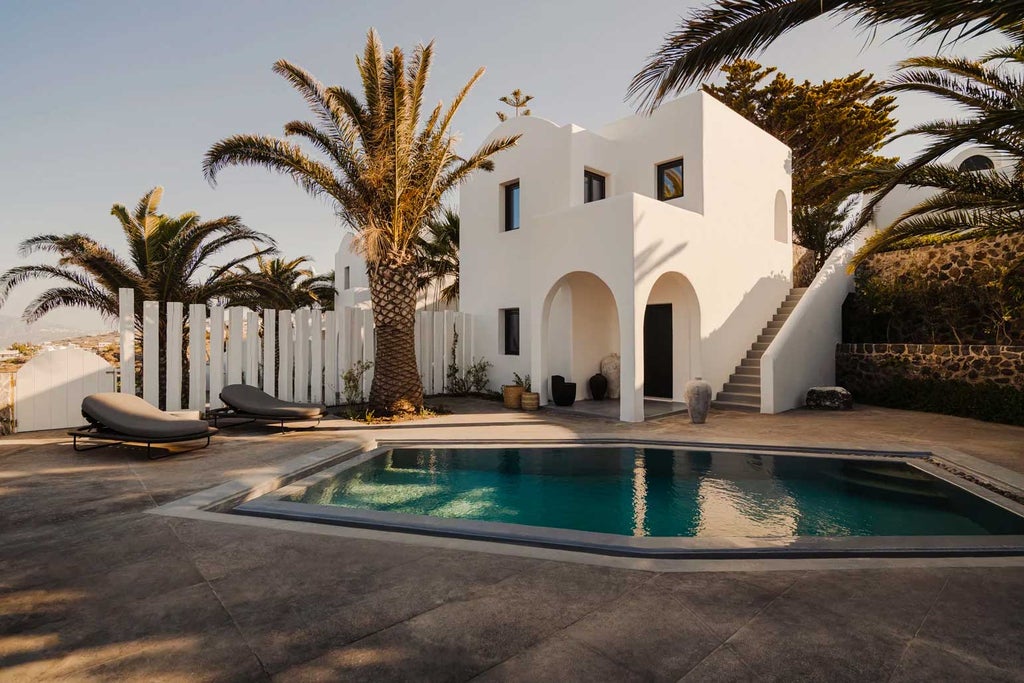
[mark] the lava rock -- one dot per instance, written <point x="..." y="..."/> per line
<point x="829" y="398"/>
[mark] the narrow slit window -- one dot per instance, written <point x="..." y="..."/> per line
<point x="512" y="206"/>
<point x="510" y="331"/>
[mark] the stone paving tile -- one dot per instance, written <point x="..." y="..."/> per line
<point x="981" y="612"/>
<point x="559" y="659"/>
<point x="99" y="632"/>
<point x="721" y="666"/>
<point x="462" y="638"/>
<point x="667" y="638"/>
<point x="725" y="602"/>
<point x="793" y="639"/>
<point x="925" y="662"/>
<point x="324" y="608"/>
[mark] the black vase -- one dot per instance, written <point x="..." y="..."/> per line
<point x="562" y="393"/>
<point x="598" y="386"/>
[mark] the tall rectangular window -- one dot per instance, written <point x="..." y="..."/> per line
<point x="593" y="187"/>
<point x="510" y="331"/>
<point x="670" y="180"/>
<point x="348" y="278"/>
<point x="512" y="206"/>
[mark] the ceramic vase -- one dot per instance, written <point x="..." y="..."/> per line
<point x="598" y="387"/>
<point x="610" y="367"/>
<point x="697" y="394"/>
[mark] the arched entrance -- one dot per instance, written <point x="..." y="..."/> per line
<point x="580" y="326"/>
<point x="671" y="340"/>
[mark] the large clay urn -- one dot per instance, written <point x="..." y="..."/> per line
<point x="697" y="395"/>
<point x="610" y="367"/>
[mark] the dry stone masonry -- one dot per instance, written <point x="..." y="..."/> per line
<point x="859" y="365"/>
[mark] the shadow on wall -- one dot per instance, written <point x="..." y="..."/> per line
<point x="733" y="338"/>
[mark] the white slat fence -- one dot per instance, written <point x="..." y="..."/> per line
<point x="295" y="355"/>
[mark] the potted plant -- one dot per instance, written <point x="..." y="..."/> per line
<point x="512" y="394"/>
<point x="530" y="399"/>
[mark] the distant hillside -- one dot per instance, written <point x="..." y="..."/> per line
<point x="15" y="330"/>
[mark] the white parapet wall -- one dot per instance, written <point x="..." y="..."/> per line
<point x="803" y="354"/>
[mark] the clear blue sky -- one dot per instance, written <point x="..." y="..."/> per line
<point x="103" y="100"/>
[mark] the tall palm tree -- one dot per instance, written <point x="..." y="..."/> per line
<point x="285" y="284"/>
<point x="440" y="257"/>
<point x="385" y="174"/>
<point x="170" y="258"/>
<point x="725" y="30"/>
<point x="990" y="91"/>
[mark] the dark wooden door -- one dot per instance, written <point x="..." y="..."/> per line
<point x="658" y="351"/>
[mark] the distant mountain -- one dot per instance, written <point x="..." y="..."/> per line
<point x="15" y="330"/>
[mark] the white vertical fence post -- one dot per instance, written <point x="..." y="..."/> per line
<point x="330" y="357"/>
<point x="126" y="325"/>
<point x="269" y="346"/>
<point x="439" y="353"/>
<point x="235" y="339"/>
<point x="418" y="343"/>
<point x="174" y="338"/>
<point x="316" y="356"/>
<point x="463" y="354"/>
<point x="447" y="340"/>
<point x="284" y="341"/>
<point x="197" y="357"/>
<point x="252" y="348"/>
<point x="301" y="388"/>
<point x="369" y="348"/>
<point x="151" y="352"/>
<point x="216" y="355"/>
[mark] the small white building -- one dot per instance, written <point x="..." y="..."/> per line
<point x="665" y="239"/>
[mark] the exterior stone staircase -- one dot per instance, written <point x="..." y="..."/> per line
<point x="743" y="390"/>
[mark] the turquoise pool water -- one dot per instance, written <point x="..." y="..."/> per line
<point x="663" y="492"/>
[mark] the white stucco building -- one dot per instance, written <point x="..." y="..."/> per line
<point x="579" y="240"/>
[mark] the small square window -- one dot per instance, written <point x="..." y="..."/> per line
<point x="593" y="187"/>
<point x="512" y="206"/>
<point x="670" y="180"/>
<point x="510" y="331"/>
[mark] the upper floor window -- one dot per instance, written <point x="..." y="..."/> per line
<point x="977" y="162"/>
<point x="593" y="187"/>
<point x="511" y="191"/>
<point x="670" y="180"/>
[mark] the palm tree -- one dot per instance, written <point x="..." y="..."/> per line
<point x="170" y="259"/>
<point x="440" y="256"/>
<point x="385" y="174"/>
<point x="285" y="284"/>
<point x="982" y="203"/>
<point x="725" y="30"/>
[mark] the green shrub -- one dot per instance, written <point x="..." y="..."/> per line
<point x="989" y="402"/>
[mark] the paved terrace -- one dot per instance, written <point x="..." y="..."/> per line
<point x="93" y="588"/>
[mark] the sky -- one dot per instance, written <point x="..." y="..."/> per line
<point x="101" y="101"/>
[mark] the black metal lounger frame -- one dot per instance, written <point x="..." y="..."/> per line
<point x="231" y="413"/>
<point x="101" y="433"/>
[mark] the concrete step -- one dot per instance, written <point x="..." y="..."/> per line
<point x="745" y="389"/>
<point x="749" y="371"/>
<point x="741" y="378"/>
<point x="780" y="317"/>
<point x="759" y="346"/>
<point x="765" y="338"/>
<point x="738" y="407"/>
<point x="773" y="325"/>
<point x="741" y="399"/>
<point x="755" y="354"/>
<point x="792" y="298"/>
<point x="752" y="363"/>
<point x="798" y="290"/>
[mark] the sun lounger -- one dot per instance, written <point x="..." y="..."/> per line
<point x="124" y="418"/>
<point x="251" y="404"/>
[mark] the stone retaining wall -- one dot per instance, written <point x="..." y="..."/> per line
<point x="868" y="365"/>
<point x="950" y="261"/>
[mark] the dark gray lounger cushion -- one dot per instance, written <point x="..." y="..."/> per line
<point x="251" y="401"/>
<point x="132" y="416"/>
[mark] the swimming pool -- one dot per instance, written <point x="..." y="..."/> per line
<point x="663" y="501"/>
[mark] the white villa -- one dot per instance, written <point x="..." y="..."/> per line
<point x="665" y="239"/>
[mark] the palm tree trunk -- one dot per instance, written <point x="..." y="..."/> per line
<point x="396" y="387"/>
